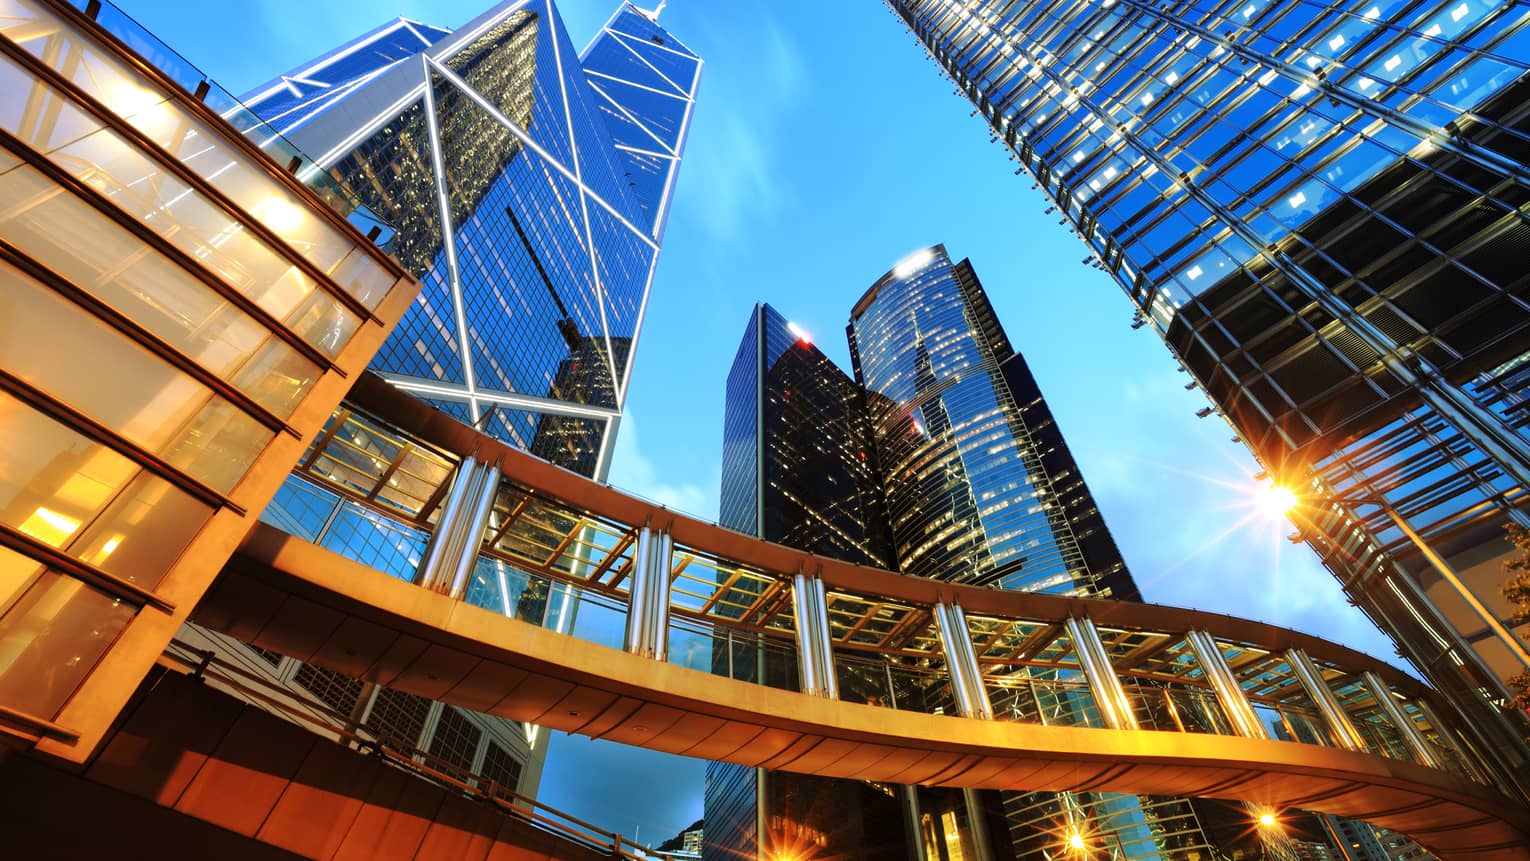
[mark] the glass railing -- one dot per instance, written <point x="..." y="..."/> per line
<point x="188" y="77"/>
<point x="916" y="687"/>
<point x="746" y="656"/>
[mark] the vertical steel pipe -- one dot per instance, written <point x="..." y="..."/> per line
<point x="639" y="587"/>
<point x="1405" y="727"/>
<point x="1311" y="679"/>
<point x="1111" y="698"/>
<point x="815" y="653"/>
<point x="437" y="550"/>
<point x="961" y="661"/>
<point x="1225" y="685"/>
<point x="475" y="519"/>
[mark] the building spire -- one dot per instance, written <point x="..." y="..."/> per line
<point x="653" y="14"/>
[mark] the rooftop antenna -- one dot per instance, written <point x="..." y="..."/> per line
<point x="653" y="14"/>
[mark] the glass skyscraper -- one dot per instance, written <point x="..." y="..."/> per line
<point x="1321" y="209"/>
<point x="940" y="459"/>
<point x="799" y="468"/>
<point x="971" y="501"/>
<point x="530" y="183"/>
<point x="528" y="186"/>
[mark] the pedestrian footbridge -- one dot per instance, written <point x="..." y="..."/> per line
<point x="693" y="639"/>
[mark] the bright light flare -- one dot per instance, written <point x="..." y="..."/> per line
<point x="281" y="215"/>
<point x="1267" y="820"/>
<point x="799" y="333"/>
<point x="1277" y="501"/>
<point x="1076" y="841"/>
<point x="913" y="263"/>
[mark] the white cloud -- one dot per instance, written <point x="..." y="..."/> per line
<point x="694" y="494"/>
<point x="748" y="88"/>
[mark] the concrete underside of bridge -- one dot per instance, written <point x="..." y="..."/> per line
<point x="190" y="772"/>
<point x="284" y="594"/>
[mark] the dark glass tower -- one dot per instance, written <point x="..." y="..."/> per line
<point x="1321" y="209"/>
<point x="799" y="468"/>
<point x="940" y="460"/>
<point x="981" y="489"/>
<point x="530" y="184"/>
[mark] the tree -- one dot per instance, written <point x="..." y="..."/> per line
<point x="1517" y="590"/>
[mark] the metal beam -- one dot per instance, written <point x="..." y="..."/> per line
<point x="1225" y="685"/>
<point x="1328" y="706"/>
<point x="1115" y="706"/>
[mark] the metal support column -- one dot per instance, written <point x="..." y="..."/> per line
<point x="1405" y="727"/>
<point x="1311" y="679"/>
<point x="1452" y="579"/>
<point x="977" y="824"/>
<point x="1111" y="698"/>
<point x="1225" y="685"/>
<point x="647" y="631"/>
<point x="475" y="519"/>
<point x="815" y="651"/>
<point x="961" y="661"/>
<point x="1465" y="755"/>
<point x="454" y="545"/>
<point x="440" y="539"/>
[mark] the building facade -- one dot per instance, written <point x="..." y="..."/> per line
<point x="799" y="468"/>
<point x="961" y="433"/>
<point x="530" y="183"/>
<point x="941" y="460"/>
<point x="1318" y="208"/>
<point x="142" y="232"/>
<point x="527" y="185"/>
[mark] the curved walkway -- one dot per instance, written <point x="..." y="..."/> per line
<point x="1022" y="666"/>
<point x="285" y="594"/>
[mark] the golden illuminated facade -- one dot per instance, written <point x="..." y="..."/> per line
<point x="178" y="314"/>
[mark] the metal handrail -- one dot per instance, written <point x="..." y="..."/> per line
<point x="399" y="753"/>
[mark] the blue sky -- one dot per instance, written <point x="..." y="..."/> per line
<point x="824" y="147"/>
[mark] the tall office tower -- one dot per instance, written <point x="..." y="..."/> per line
<point x="971" y="500"/>
<point x="530" y="184"/>
<point x="952" y="407"/>
<point x="799" y="468"/>
<point x="1321" y="210"/>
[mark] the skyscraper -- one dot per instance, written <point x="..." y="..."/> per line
<point x="939" y="460"/>
<point x="1318" y="208"/>
<point x="971" y="501"/>
<point x="528" y="185"/>
<point x="799" y="468"/>
<point x="531" y="184"/>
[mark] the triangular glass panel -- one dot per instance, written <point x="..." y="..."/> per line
<point x="679" y="69"/>
<point x="660" y="114"/>
<point x="570" y="442"/>
<point x="425" y="343"/>
<point x="646" y="175"/>
<point x="610" y="56"/>
<point x="455" y="409"/>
